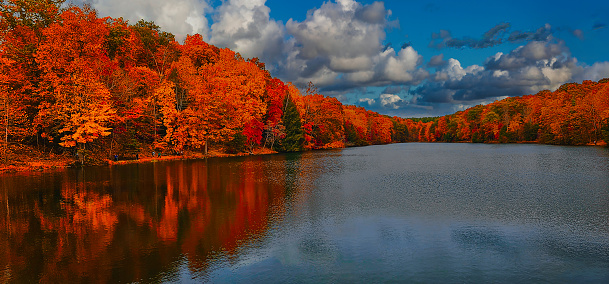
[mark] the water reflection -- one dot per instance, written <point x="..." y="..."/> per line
<point x="130" y="223"/>
<point x="436" y="213"/>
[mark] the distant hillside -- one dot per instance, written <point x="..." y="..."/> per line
<point x="574" y="114"/>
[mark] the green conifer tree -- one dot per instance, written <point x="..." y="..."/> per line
<point x="294" y="137"/>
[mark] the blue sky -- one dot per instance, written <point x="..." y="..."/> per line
<point x="404" y="58"/>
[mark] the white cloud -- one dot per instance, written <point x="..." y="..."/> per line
<point x="558" y="76"/>
<point x="347" y="4"/>
<point x="344" y="38"/>
<point x="384" y="103"/>
<point x="538" y="50"/>
<point x="390" y="101"/>
<point x="400" y="68"/>
<point x="597" y="71"/>
<point x="334" y="31"/>
<point x="531" y="73"/>
<point x="246" y="27"/>
<point x="474" y="69"/>
<point x="525" y="70"/>
<point x="501" y="73"/>
<point x="323" y="77"/>
<point x="453" y="71"/>
<point x="342" y="64"/>
<point x="180" y="17"/>
<point x="361" y="76"/>
<point x="367" y="101"/>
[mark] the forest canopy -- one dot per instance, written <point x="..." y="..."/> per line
<point x="71" y="81"/>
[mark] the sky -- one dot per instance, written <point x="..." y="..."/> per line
<point x="402" y="58"/>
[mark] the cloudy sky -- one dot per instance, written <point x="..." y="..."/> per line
<point x="404" y="58"/>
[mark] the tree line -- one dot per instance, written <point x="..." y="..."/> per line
<point x="72" y="81"/>
<point x="574" y="114"/>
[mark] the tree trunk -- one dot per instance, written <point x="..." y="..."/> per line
<point x="82" y="153"/>
<point x="154" y="118"/>
<point x="6" y="129"/>
<point x="112" y="142"/>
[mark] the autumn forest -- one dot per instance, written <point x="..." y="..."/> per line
<point x="75" y="84"/>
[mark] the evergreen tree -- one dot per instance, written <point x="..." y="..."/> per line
<point x="294" y="137"/>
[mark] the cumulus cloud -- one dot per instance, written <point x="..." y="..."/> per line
<point x="528" y="69"/>
<point x="340" y="44"/>
<point x="180" y="17"/>
<point x="339" y="30"/>
<point x="390" y="101"/>
<point x="245" y="26"/>
<point x="597" y="71"/>
<point x="454" y="72"/>
<point x="373" y="14"/>
<point x="527" y="55"/>
<point x="385" y="102"/>
<point x="400" y="68"/>
<point x="368" y="101"/>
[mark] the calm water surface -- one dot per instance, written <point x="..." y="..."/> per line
<point x="448" y="213"/>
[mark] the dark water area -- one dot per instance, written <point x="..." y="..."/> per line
<point x="439" y="213"/>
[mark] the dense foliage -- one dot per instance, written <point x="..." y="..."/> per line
<point x="73" y="81"/>
<point x="574" y="114"/>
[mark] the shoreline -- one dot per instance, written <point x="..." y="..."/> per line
<point x="63" y="162"/>
<point x="190" y="156"/>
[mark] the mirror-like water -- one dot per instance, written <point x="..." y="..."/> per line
<point x="398" y="213"/>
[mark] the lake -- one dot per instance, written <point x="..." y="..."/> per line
<point x="417" y="212"/>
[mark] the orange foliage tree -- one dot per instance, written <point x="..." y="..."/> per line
<point x="322" y="120"/>
<point x="73" y="78"/>
<point x="77" y="109"/>
<point x="276" y="92"/>
<point x="356" y="125"/>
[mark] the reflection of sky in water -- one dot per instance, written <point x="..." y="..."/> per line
<point x="472" y="213"/>
<point x="390" y="249"/>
